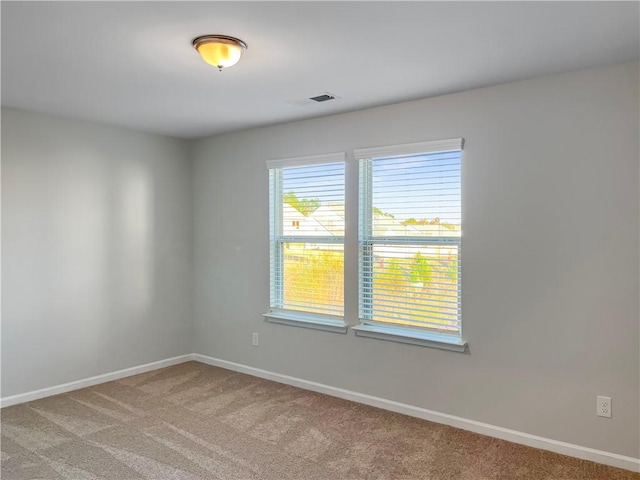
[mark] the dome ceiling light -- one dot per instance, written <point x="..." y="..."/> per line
<point x="221" y="51"/>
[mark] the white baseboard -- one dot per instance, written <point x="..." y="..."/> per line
<point x="577" y="451"/>
<point x="91" y="381"/>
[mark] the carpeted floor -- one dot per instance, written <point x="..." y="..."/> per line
<point x="194" y="421"/>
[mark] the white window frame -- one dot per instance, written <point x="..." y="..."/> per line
<point x="276" y="313"/>
<point x="368" y="327"/>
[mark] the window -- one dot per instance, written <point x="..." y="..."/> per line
<point x="409" y="243"/>
<point x="306" y="204"/>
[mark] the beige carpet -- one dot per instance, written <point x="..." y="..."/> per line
<point x="194" y="421"/>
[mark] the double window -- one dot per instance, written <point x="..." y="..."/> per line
<point x="409" y="242"/>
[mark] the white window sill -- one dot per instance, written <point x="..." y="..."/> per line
<point x="412" y="337"/>
<point x="328" y="323"/>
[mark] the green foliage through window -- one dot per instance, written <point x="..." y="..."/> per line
<point x="306" y="206"/>
<point x="420" y="270"/>
<point x="379" y="212"/>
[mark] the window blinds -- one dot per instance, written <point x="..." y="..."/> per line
<point x="307" y="234"/>
<point x="410" y="236"/>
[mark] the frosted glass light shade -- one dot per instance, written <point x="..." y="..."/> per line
<point x="219" y="50"/>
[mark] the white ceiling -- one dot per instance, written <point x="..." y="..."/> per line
<point x="132" y="64"/>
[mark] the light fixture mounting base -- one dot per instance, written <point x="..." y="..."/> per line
<point x="220" y="39"/>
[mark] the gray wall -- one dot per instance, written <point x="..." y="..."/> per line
<point x="96" y="250"/>
<point x="550" y="257"/>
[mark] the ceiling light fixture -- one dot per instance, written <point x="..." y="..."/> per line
<point x="219" y="50"/>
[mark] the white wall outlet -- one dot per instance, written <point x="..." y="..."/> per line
<point x="603" y="406"/>
<point x="254" y="339"/>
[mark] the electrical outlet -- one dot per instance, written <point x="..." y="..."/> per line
<point x="603" y="406"/>
<point x="254" y="339"/>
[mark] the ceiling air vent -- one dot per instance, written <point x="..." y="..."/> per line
<point x="320" y="98"/>
<point x="323" y="98"/>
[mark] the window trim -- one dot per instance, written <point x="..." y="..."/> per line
<point x="411" y="336"/>
<point x="367" y="327"/>
<point x="435" y="146"/>
<point x="317" y="321"/>
<point x="339" y="157"/>
<point x="284" y="316"/>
